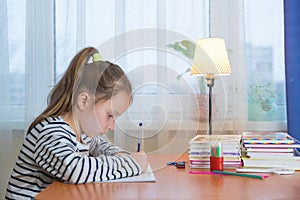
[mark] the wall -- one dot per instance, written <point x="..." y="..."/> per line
<point x="292" y="60"/>
<point x="10" y="143"/>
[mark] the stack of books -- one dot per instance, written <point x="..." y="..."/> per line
<point x="200" y="147"/>
<point x="270" y="150"/>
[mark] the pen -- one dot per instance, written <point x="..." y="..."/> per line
<point x="180" y="164"/>
<point x="139" y="136"/>
<point x="238" y="174"/>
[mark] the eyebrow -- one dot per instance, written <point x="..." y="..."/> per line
<point x="115" y="113"/>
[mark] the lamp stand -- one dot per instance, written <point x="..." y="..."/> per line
<point x="210" y="80"/>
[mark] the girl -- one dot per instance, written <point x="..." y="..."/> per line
<point x="64" y="143"/>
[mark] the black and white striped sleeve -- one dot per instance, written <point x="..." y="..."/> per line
<point x="57" y="154"/>
<point x="99" y="146"/>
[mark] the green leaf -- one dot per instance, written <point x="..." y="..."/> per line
<point x="185" y="46"/>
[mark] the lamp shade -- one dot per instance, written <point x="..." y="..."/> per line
<point x="211" y="58"/>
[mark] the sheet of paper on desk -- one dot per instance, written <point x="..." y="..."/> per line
<point x="147" y="176"/>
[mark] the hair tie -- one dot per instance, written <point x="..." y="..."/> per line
<point x="96" y="57"/>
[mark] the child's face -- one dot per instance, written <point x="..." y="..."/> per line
<point x="99" y="118"/>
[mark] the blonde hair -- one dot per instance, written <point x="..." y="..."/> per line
<point x="102" y="79"/>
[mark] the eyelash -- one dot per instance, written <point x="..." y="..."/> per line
<point x="110" y="116"/>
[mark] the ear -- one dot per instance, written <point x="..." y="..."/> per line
<point x="83" y="101"/>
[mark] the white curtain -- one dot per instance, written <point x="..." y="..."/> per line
<point x="39" y="57"/>
<point x="12" y="64"/>
<point x="227" y="21"/>
<point x="253" y="97"/>
<point x="40" y="38"/>
<point x="136" y="35"/>
<point x="4" y="78"/>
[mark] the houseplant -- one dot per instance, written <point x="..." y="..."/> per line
<point x="187" y="48"/>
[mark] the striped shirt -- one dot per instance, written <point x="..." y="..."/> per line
<point x="51" y="152"/>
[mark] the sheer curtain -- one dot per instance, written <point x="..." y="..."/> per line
<point x="12" y="61"/>
<point x="264" y="40"/>
<point x="136" y="35"/>
<point x="39" y="57"/>
<point x="40" y="38"/>
<point x="253" y="97"/>
<point x="227" y="21"/>
<point x="26" y="61"/>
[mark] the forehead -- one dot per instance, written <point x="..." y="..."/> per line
<point x="118" y="103"/>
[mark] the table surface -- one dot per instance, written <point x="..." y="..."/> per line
<point x="174" y="183"/>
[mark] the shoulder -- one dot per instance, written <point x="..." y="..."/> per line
<point x="53" y="127"/>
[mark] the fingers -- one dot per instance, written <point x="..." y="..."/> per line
<point x="141" y="159"/>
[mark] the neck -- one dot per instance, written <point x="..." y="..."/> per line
<point x="69" y="119"/>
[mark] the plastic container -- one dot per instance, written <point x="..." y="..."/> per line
<point x="216" y="157"/>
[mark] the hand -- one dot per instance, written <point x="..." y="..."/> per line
<point x="141" y="159"/>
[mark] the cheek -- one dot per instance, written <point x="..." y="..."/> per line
<point x="91" y="122"/>
<point x="101" y="120"/>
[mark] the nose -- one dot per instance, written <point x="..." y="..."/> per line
<point x="111" y="125"/>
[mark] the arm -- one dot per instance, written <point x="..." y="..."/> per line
<point x="56" y="153"/>
<point x="100" y="146"/>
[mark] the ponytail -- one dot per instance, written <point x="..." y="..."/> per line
<point x="60" y="98"/>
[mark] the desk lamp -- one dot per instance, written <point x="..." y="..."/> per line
<point x="210" y="60"/>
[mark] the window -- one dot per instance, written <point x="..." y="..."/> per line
<point x="265" y="62"/>
<point x="40" y="39"/>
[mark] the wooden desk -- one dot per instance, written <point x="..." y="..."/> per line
<point x="173" y="183"/>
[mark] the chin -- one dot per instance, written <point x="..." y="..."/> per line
<point x="95" y="134"/>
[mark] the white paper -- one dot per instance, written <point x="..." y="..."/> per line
<point x="146" y="176"/>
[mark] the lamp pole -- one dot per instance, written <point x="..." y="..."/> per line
<point x="210" y="80"/>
